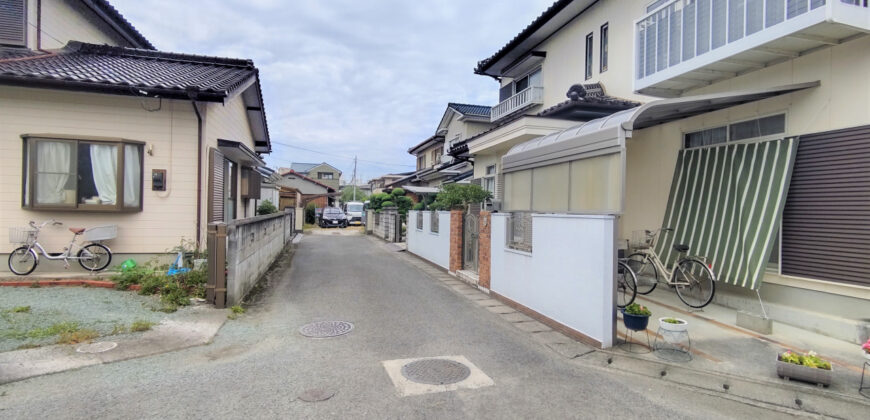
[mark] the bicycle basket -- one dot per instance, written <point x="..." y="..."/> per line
<point x="101" y="233"/>
<point x="640" y="239"/>
<point x="22" y="235"/>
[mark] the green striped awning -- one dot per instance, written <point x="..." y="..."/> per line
<point x="726" y="203"/>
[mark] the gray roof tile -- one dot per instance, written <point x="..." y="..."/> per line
<point x="473" y="110"/>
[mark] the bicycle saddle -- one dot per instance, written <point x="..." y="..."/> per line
<point x="77" y="231"/>
<point x="681" y="248"/>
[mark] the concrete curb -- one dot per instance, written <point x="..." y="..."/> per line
<point x="194" y="330"/>
<point x="748" y="390"/>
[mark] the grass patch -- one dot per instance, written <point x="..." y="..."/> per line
<point x="119" y="329"/>
<point x="235" y="311"/>
<point x="78" y="336"/>
<point x="141" y="326"/>
<point x="26" y="346"/>
<point x="54" y="329"/>
<point x="21" y="309"/>
<point x="174" y="290"/>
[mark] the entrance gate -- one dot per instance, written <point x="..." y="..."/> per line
<point x="471" y="233"/>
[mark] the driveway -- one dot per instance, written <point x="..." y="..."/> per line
<point x="260" y="365"/>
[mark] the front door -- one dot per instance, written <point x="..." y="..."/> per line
<point x="471" y="232"/>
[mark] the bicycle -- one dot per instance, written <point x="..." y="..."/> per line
<point x="690" y="275"/>
<point x="626" y="285"/>
<point x="92" y="257"/>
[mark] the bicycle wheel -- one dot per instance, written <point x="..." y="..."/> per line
<point x="645" y="271"/>
<point x="694" y="283"/>
<point x="626" y="289"/>
<point x="22" y="261"/>
<point x="95" y="257"/>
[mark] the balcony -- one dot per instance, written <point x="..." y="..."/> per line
<point x="533" y="95"/>
<point x="686" y="44"/>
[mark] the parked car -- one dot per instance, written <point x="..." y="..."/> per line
<point x="333" y="217"/>
<point x="354" y="212"/>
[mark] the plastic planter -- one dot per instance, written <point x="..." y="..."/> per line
<point x="635" y="322"/>
<point x="804" y="373"/>
<point x="667" y="326"/>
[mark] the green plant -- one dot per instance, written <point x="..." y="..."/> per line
<point x="460" y="196"/>
<point x="266" y="207"/>
<point x="388" y="203"/>
<point x="376" y="201"/>
<point x="235" y="311"/>
<point x="21" y="309"/>
<point x="141" y="326"/>
<point x="54" y="329"/>
<point x="347" y="194"/>
<point x="77" y="336"/>
<point x="672" y="321"/>
<point x="636" y="309"/>
<point x="810" y="359"/>
<point x="418" y="206"/>
<point x="310" y="213"/>
<point x="118" y="329"/>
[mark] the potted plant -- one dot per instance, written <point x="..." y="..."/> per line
<point x="673" y="324"/>
<point x="636" y="317"/>
<point x="866" y="348"/>
<point x="805" y="367"/>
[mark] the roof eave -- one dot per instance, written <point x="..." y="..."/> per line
<point x="94" y="87"/>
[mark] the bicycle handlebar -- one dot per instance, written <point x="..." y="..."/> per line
<point x="52" y="221"/>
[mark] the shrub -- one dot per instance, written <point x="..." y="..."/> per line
<point x="397" y="192"/>
<point x="636" y="309"/>
<point x="310" y="214"/>
<point x="141" y="326"/>
<point x="388" y="203"/>
<point x="376" y="200"/>
<point x="418" y="206"/>
<point x="266" y="207"/>
<point x="459" y="196"/>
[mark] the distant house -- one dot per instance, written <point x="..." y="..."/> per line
<point x="322" y="172"/>
<point x="378" y="184"/>
<point x="310" y="190"/>
<point x="99" y="128"/>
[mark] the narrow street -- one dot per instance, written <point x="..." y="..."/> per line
<point x="260" y="364"/>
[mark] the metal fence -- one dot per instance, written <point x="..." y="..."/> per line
<point x="519" y="231"/>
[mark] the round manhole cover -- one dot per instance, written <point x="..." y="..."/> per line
<point x="316" y="394"/>
<point x="436" y="371"/>
<point x="325" y="329"/>
<point x="97" y="347"/>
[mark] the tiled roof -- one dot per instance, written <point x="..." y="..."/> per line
<point x="128" y="71"/>
<point x="536" y="24"/>
<point x="303" y="168"/>
<point x="473" y="110"/>
<point x="124" y="25"/>
<point x="302" y="176"/>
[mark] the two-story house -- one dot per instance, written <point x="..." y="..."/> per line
<point x="757" y="155"/>
<point x="323" y="172"/>
<point x="99" y="128"/>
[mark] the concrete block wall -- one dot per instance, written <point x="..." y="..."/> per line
<point x="252" y="246"/>
<point x="429" y="245"/>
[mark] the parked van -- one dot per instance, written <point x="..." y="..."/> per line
<point x="354" y="212"/>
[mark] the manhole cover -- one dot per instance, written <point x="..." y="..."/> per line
<point x="97" y="347"/>
<point x="324" y="329"/>
<point x="436" y="371"/>
<point x="316" y="394"/>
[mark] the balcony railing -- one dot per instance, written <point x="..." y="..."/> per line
<point x="677" y="43"/>
<point x="522" y="99"/>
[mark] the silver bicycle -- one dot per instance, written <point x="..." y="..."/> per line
<point x="93" y="256"/>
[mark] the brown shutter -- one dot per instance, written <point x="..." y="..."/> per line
<point x="254" y="184"/>
<point x="215" y="186"/>
<point x="826" y="221"/>
<point x="13" y="22"/>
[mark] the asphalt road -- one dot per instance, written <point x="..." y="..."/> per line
<point x="259" y="364"/>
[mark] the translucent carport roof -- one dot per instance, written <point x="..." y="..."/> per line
<point x="607" y="135"/>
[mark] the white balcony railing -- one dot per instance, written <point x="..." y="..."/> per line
<point x="686" y="36"/>
<point x="523" y="98"/>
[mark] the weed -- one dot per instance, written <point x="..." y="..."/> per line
<point x="168" y="308"/>
<point x="26" y="346"/>
<point x="34" y="285"/>
<point x="237" y="309"/>
<point x="119" y="329"/>
<point x="54" y="329"/>
<point x="21" y="309"/>
<point x="141" y="326"/>
<point x="78" y="336"/>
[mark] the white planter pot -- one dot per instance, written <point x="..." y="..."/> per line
<point x="667" y="326"/>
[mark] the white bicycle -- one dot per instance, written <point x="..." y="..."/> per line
<point x="93" y="256"/>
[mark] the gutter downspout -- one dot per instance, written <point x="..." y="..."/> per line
<point x="198" y="169"/>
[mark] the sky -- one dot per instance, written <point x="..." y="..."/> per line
<point x="345" y="78"/>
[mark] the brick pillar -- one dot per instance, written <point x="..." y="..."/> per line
<point x="483" y="249"/>
<point x="455" y="240"/>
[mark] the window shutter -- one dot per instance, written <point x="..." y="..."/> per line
<point x="215" y="186"/>
<point x="499" y="187"/>
<point x="825" y="227"/>
<point x="13" y="22"/>
<point x="505" y="92"/>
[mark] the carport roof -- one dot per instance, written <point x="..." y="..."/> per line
<point x="584" y="139"/>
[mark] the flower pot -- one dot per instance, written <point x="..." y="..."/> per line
<point x="667" y="326"/>
<point x="804" y="373"/>
<point x="635" y="322"/>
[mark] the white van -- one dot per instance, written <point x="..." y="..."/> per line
<point x="354" y="212"/>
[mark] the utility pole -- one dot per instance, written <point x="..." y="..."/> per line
<point x="353" y="180"/>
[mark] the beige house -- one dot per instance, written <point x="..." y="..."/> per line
<point x="99" y="128"/>
<point x="756" y="150"/>
<point x="323" y="172"/>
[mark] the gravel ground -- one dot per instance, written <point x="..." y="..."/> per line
<point x="94" y="308"/>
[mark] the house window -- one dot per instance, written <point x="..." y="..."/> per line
<point x="589" y="56"/>
<point x="13" y="22"/>
<point x="324" y="175"/>
<point x="436" y="155"/>
<point x="421" y="162"/>
<point x="603" y="48"/>
<point x="82" y="175"/>
<point x="532" y="79"/>
<point x="655" y="5"/>
<point x="489" y="179"/>
<point x="755" y="129"/>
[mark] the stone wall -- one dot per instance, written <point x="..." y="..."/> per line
<point x="252" y="246"/>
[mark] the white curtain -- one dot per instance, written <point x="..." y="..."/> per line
<point x="104" y="165"/>
<point x="132" y="175"/>
<point x="52" y="167"/>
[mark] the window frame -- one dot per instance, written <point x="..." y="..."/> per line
<point x="528" y="76"/>
<point x="321" y="174"/>
<point x="24" y="28"/>
<point x="490" y="177"/>
<point x="590" y="45"/>
<point x="727" y="125"/>
<point x="604" y="35"/>
<point x="29" y="165"/>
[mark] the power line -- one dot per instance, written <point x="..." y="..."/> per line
<point x="342" y="156"/>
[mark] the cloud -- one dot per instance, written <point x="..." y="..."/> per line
<point x="347" y="78"/>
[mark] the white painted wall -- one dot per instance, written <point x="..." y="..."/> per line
<point x="569" y="275"/>
<point x="434" y="247"/>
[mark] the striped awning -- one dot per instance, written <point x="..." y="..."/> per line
<point x="726" y="203"/>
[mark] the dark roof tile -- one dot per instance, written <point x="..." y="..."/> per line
<point x="473" y="110"/>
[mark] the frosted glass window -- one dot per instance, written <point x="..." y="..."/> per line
<point x="518" y="191"/>
<point x="596" y="184"/>
<point x="550" y="188"/>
